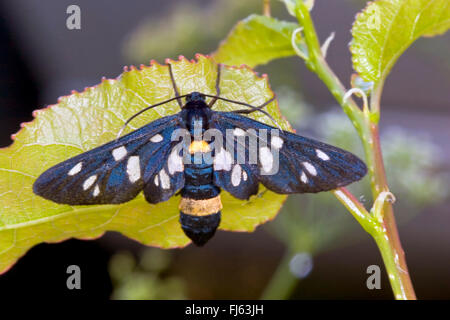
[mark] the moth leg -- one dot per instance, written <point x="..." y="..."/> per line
<point x="177" y="94"/>
<point x="214" y="99"/>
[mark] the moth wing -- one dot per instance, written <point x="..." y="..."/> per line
<point x="231" y="170"/>
<point x="289" y="163"/>
<point x="115" y="172"/>
<point x="164" y="175"/>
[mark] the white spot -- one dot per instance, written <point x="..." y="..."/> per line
<point x="304" y="178"/>
<point x="223" y="160"/>
<point x="165" y="181"/>
<point x="119" y="153"/>
<point x="96" y="191"/>
<point x="310" y="168"/>
<point x="89" y="182"/>
<point x="75" y="169"/>
<point x="244" y="175"/>
<point x="156" y="138"/>
<point x="266" y="159"/>
<point x="238" y="132"/>
<point x="175" y="162"/>
<point x="276" y="142"/>
<point x="156" y="181"/>
<point x="236" y="175"/>
<point x="133" y="169"/>
<point x="322" y="155"/>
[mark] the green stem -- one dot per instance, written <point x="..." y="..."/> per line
<point x="384" y="231"/>
<point x="398" y="276"/>
<point x="398" y="271"/>
<point x="282" y="283"/>
<point x="356" y="209"/>
<point x="391" y="261"/>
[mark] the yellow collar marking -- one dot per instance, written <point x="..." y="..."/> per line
<point x="199" y="146"/>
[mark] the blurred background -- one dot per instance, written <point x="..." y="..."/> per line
<point x="314" y="249"/>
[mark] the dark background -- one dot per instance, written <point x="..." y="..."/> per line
<point x="41" y="60"/>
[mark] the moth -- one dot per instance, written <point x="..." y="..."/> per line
<point x="239" y="154"/>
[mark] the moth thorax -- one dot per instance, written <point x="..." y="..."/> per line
<point x="197" y="121"/>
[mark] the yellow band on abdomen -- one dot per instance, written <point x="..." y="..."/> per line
<point x="200" y="207"/>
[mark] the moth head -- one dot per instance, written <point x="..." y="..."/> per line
<point x="195" y="97"/>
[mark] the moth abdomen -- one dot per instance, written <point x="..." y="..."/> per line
<point x="200" y="204"/>
<point x="198" y="182"/>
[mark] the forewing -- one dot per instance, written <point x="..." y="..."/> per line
<point x="164" y="175"/>
<point x="289" y="163"/>
<point x="114" y="172"/>
<point x="232" y="170"/>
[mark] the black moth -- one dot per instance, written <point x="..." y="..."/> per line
<point x="150" y="159"/>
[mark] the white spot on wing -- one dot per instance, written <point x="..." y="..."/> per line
<point x="266" y="159"/>
<point x="96" y="191"/>
<point x="244" y="175"/>
<point x="165" y="180"/>
<point x="276" y="142"/>
<point x="223" y="160"/>
<point x="89" y="182"/>
<point x="156" y="138"/>
<point x="322" y="155"/>
<point x="308" y="166"/>
<point x="133" y="169"/>
<point x="304" y="178"/>
<point x="236" y="175"/>
<point x="238" y="132"/>
<point x="75" y="169"/>
<point x="175" y="162"/>
<point x="156" y="181"/>
<point x="119" y="153"/>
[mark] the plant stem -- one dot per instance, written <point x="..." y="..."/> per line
<point x="282" y="282"/>
<point x="390" y="241"/>
<point x="385" y="231"/>
<point x="398" y="277"/>
<point x="356" y="209"/>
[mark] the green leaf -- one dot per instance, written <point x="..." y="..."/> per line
<point x="256" y="40"/>
<point x="82" y="121"/>
<point x="385" y="29"/>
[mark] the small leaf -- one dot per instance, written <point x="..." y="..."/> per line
<point x="82" y="121"/>
<point x="292" y="4"/>
<point x="256" y="40"/>
<point x="358" y="82"/>
<point x="385" y="29"/>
